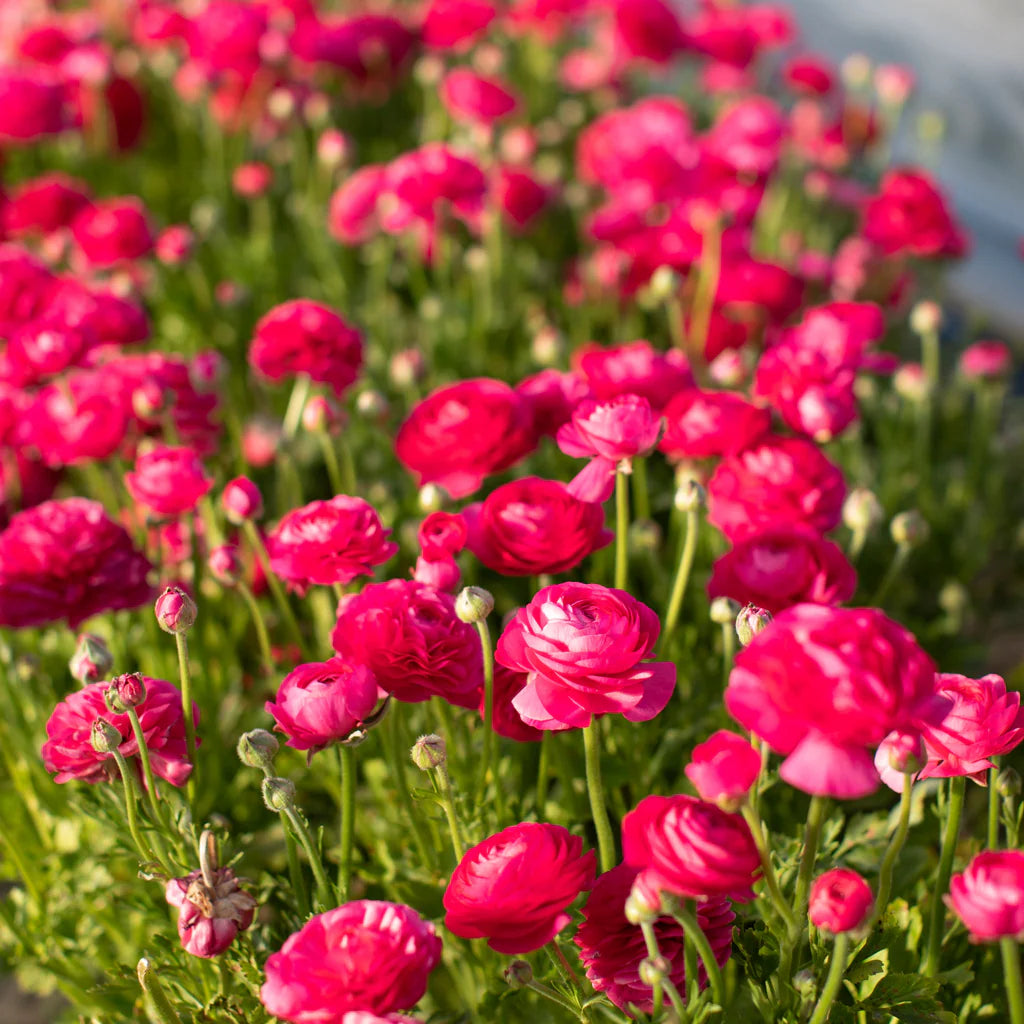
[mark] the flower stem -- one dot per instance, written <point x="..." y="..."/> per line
<point x="281" y="599"/>
<point x="323" y="888"/>
<point x="296" y="403"/>
<point x="347" y="781"/>
<point x="295" y="872"/>
<point x="685" y="913"/>
<point x="185" y="672"/>
<point x="812" y="836"/>
<point x="131" y="810"/>
<point x="595" y="789"/>
<point x="621" y="530"/>
<point x="542" y="775"/>
<point x="728" y="650"/>
<point x="266" y="654"/>
<point x="154" y="989"/>
<point x="653" y="953"/>
<point x="147" y="766"/>
<point x="675" y="603"/>
<point x="895" y="846"/>
<point x="444" y="784"/>
<point x="834" y="980"/>
<point x="957" y="788"/>
<point x="488" y="656"/>
<point x="331" y="462"/>
<point x="771" y="882"/>
<point x="892" y="573"/>
<point x="1011" y="977"/>
<point x="993" y="810"/>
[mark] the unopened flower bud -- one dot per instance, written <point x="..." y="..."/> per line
<point x="372" y="405"/>
<point x="664" y="284"/>
<point x="333" y="148"/>
<point x="547" y="346"/>
<point x="909" y="529"/>
<point x="124" y="692"/>
<point x="241" y="500"/>
<point x="92" y="659"/>
<point x="406" y="367"/>
<point x="639" y="908"/>
<point x="723" y="610"/>
<point x="474" y="604"/>
<point x="321" y="414"/>
<point x="429" y="752"/>
<point x="104" y="737"/>
<point x="750" y="621"/>
<point x="224" y="565"/>
<point x="257" y="748"/>
<point x="862" y="511"/>
<point x="654" y="970"/>
<point x="910" y="383"/>
<point x="175" y="611"/>
<point x="926" y="317"/>
<point x="278" y="793"/>
<point x="954" y="598"/>
<point x="1008" y="783"/>
<point x="690" y="495"/>
<point x="805" y="983"/>
<point x="518" y="974"/>
<point x="644" y="536"/>
<point x="856" y="70"/>
<point x="905" y="752"/>
<point x="431" y="498"/>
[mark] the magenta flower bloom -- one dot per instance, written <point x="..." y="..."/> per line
<point x="840" y="901"/>
<point x="113" y="230"/>
<point x="366" y="955"/>
<point x="584" y="647"/>
<point x="514" y="887"/>
<point x="475" y="98"/>
<point x="321" y="702"/>
<point x="168" y="481"/>
<point x="988" y="896"/>
<point x="328" y="542"/>
<point x="723" y="769"/>
<point x="212" y="910"/>
<point x="705" y="424"/>
<point x="636" y="368"/>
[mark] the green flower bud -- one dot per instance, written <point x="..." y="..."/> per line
<point x="278" y="793"/>
<point x="654" y="970"/>
<point x="257" y="748"/>
<point x="1008" y="783"/>
<point x="474" y="604"/>
<point x="909" y="529"/>
<point x="724" y="610"/>
<point x="518" y="974"/>
<point x="690" y="495"/>
<point x="750" y="621"/>
<point x="429" y="752"/>
<point x="104" y="737"/>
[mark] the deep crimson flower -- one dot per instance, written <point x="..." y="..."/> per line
<point x="532" y="526"/>
<point x="328" y="542"/>
<point x="409" y="636"/>
<point x="69" y="752"/>
<point x="366" y="955"/>
<point x="513" y="889"/>
<point x="612" y="949"/>
<point x="647" y="30"/>
<point x="67" y="560"/>
<point x="783" y="566"/>
<point x="584" y="647"/>
<point x="113" y="230"/>
<point x="988" y="896"/>
<point x="723" y="769"/>
<point x="911" y="216"/>
<point x="704" y="424"/>
<point x="824" y="686"/>
<point x="776" y="481"/>
<point x="321" y="702"/>
<point x="31" y="104"/>
<point x="450" y="24"/>
<point x="168" y="481"/>
<point x="212" y="910"/>
<point x="633" y="369"/>
<point x="463" y="432"/>
<point x="476" y="98"/>
<point x="302" y="336"/>
<point x="43" y="204"/>
<point x="840" y="901"/>
<point x="690" y="848"/>
<point x="352" y="214"/>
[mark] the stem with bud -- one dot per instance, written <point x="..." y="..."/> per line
<point x="895" y="846"/>
<point x="675" y="602"/>
<point x="347" y="779"/>
<point x="834" y="980"/>
<point x="621" y="530"/>
<point x="595" y="789"/>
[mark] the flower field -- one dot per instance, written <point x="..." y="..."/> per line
<point x="499" y="522"/>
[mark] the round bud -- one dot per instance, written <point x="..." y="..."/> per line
<point x="429" y="752"/>
<point x="373" y="405"/>
<point x="406" y="367"/>
<point x="926" y="317"/>
<point x="241" y="500"/>
<point x="257" y="748"/>
<point x="805" y="983"/>
<point x="320" y="413"/>
<point x="333" y="148"/>
<point x="654" y="970"/>
<point x="644" y="536"/>
<point x="862" y="511"/>
<point x="278" y="793"/>
<point x="518" y="974"/>
<point x="910" y="383"/>
<point x="175" y="611"/>
<point x="639" y="908"/>
<point x="905" y="752"/>
<point x="92" y="659"/>
<point x="909" y="529"/>
<point x="723" y="611"/>
<point x="104" y="737"/>
<point x="124" y="692"/>
<point x="474" y="604"/>
<point x="689" y="496"/>
<point x="431" y="498"/>
<point x="1008" y="783"/>
<point x="750" y="621"/>
<point x="954" y="598"/>
<point x="547" y="346"/>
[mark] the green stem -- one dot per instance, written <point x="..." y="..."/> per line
<point x="1011" y="977"/>
<point x="552" y="995"/>
<point x="296" y="403"/>
<point x="892" y="574"/>
<point x="834" y="980"/>
<point x="895" y="846"/>
<point x="812" y="836"/>
<point x="728" y="650"/>
<point x="295" y="872"/>
<point x="621" y="530"/>
<point x="331" y="462"/>
<point x="147" y="767"/>
<point x="448" y="800"/>
<point x="397" y="757"/>
<point x="653" y="953"/>
<point x="323" y="888"/>
<point x="768" y="875"/>
<point x="154" y="989"/>
<point x="349" y="478"/>
<point x="542" y="775"/>
<point x="675" y="603"/>
<point x="281" y="599"/>
<point x="641" y="495"/>
<point x="957" y="788"/>
<point x="488" y="656"/>
<point x="595" y="789"/>
<point x="266" y="655"/>
<point x="185" y="671"/>
<point x="347" y="781"/>
<point x="993" y="809"/>
<point x="131" y="810"/>
<point x="686" y="915"/>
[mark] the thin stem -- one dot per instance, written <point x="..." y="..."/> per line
<point x="993" y="810"/>
<point x="621" y="530"/>
<point x="555" y="952"/>
<point x="675" y="602"/>
<point x="686" y="915"/>
<point x="728" y="650"/>
<point x="331" y="462"/>
<point x="147" y="766"/>
<point x="154" y="989"/>
<point x="295" y="872"/>
<point x="892" y="574"/>
<point x="812" y="836"/>
<point x="397" y="759"/>
<point x="347" y="782"/>
<point x="675" y="999"/>
<point x="552" y="995"/>
<point x="895" y="846"/>
<point x="323" y="888"/>
<point x="641" y="495"/>
<point x="266" y="654"/>
<point x="1011" y="978"/>
<point x="488" y="656"/>
<point x="131" y="811"/>
<point x="349" y="479"/>
<point x="542" y="775"/>
<point x="260" y="550"/>
<point x="836" y="969"/>
<point x="448" y="800"/>
<point x="957" y="788"/>
<point x="653" y="953"/>
<point x="595" y="789"/>
<point x="296" y="403"/>
<point x="768" y="875"/>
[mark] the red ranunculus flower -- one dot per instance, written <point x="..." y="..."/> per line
<point x="724" y="768"/>
<point x="43" y="204"/>
<point x="472" y="97"/>
<point x="456" y="23"/>
<point x="168" y="481"/>
<point x="705" y="424"/>
<point x="113" y="230"/>
<point x="513" y="889"/>
<point x="840" y="901"/>
<point x="988" y="896"/>
<point x="352" y="215"/>
<point x="32" y="104"/>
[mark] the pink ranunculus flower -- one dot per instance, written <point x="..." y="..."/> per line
<point x="463" y="432"/>
<point x="612" y="949"/>
<point x="212" y="910"/>
<point x="328" y="542"/>
<point x="584" y="648"/>
<point x="782" y="566"/>
<point x="777" y="480"/>
<point x="409" y="636"/>
<point x="241" y="500"/>
<point x="113" y="230"/>
<point x="455" y="24"/>
<point x="442" y="535"/>
<point x="32" y="104"/>
<point x="476" y="98"/>
<point x="43" y="204"/>
<point x="609" y="434"/>
<point x="168" y="481"/>
<point x="840" y="901"/>
<point x="68" y="560"/>
<point x="532" y="526"/>
<point x="302" y="336"/>
<point x="514" y="888"/>
<point x="506" y="720"/>
<point x="824" y="686"/>
<point x="69" y="752"/>
<point x="636" y="368"/>
<point x="723" y="769"/>
<point x="706" y="424"/>
<point x="985" y="360"/>
<point x="988" y="896"/>
<point x="689" y="848"/>
<point x="367" y="955"/>
<point x="320" y="703"/>
<point x="352" y="213"/>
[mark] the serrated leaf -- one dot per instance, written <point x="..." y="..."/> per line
<point x="864" y="970"/>
<point x="896" y="989"/>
